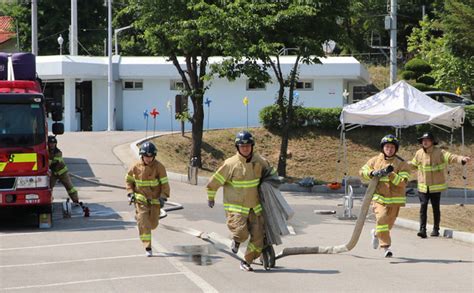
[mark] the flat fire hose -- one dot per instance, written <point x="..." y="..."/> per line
<point x="355" y="234"/>
<point x="173" y="205"/>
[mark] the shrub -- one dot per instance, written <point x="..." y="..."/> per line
<point x="422" y="87"/>
<point x="426" y="79"/>
<point x="407" y="74"/>
<point x="325" y="118"/>
<point x="418" y="66"/>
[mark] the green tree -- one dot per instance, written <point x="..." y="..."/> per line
<point x="54" y="18"/>
<point x="257" y="34"/>
<point x="433" y="43"/>
<point x="184" y="31"/>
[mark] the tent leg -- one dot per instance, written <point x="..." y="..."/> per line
<point x="464" y="167"/>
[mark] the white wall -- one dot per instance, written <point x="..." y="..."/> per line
<point x="227" y="108"/>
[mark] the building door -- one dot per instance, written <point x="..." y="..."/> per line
<point x="84" y="105"/>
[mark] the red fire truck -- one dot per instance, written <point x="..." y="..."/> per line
<point x="24" y="168"/>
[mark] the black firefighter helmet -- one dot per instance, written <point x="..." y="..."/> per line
<point x="427" y="135"/>
<point x="148" y="149"/>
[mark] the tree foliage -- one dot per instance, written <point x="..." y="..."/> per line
<point x="54" y="18"/>
<point x="258" y="34"/>
<point x="184" y="31"/>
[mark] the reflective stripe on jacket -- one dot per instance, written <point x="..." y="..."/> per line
<point x="148" y="182"/>
<point x="391" y="189"/>
<point x="431" y="164"/>
<point x="240" y="180"/>
<point x="56" y="162"/>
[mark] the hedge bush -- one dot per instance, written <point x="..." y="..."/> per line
<point x="418" y="66"/>
<point x="325" y="118"/>
<point x="426" y="79"/>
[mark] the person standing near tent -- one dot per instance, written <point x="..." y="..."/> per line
<point x="147" y="187"/>
<point x="389" y="195"/>
<point x="240" y="175"/>
<point x="431" y="163"/>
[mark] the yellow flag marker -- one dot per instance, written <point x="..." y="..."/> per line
<point x="458" y="91"/>
<point x="245" y="101"/>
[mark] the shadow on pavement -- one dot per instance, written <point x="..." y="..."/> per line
<point x="407" y="260"/>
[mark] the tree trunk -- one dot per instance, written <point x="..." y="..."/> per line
<point x="283" y="146"/>
<point x="197" y="129"/>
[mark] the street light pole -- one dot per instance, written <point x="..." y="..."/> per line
<point x="116" y="31"/>
<point x="393" y="41"/>
<point x="110" y="87"/>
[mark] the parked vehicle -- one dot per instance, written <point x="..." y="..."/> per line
<point x="24" y="162"/>
<point x="448" y="98"/>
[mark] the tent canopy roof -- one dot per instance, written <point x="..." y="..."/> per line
<point x="401" y="105"/>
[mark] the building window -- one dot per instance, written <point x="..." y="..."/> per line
<point x="133" y="85"/>
<point x="304" y="85"/>
<point x="176" y="85"/>
<point x="255" y="86"/>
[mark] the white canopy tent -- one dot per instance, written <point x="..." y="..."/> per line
<point x="400" y="105"/>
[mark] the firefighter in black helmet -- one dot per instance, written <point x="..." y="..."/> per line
<point x="59" y="170"/>
<point x="240" y="176"/>
<point x="431" y="163"/>
<point x="148" y="188"/>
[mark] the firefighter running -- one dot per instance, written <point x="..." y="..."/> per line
<point x="431" y="163"/>
<point x="148" y="188"/>
<point x="389" y="194"/>
<point x="240" y="175"/>
<point x="59" y="170"/>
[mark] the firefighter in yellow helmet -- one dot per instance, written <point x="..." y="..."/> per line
<point x="147" y="187"/>
<point x="59" y="170"/>
<point x="389" y="194"/>
<point x="431" y="163"/>
<point x="240" y="176"/>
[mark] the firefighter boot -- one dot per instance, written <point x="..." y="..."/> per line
<point x="244" y="266"/>
<point x="234" y="246"/>
<point x="422" y="233"/>
<point x="435" y="232"/>
<point x="148" y="252"/>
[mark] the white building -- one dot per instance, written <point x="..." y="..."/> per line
<point x="144" y="83"/>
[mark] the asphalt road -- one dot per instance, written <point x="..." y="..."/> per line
<point x="103" y="252"/>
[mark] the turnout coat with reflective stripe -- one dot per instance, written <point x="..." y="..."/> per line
<point x="240" y="180"/>
<point x="391" y="189"/>
<point x="56" y="162"/>
<point x="431" y="164"/>
<point x="148" y="182"/>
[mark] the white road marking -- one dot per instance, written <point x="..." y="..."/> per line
<point x="69" y="230"/>
<point x="291" y="229"/>
<point x="67" y="244"/>
<point x="91" y="281"/>
<point x="68" y="261"/>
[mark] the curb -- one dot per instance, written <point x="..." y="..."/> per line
<point x="445" y="232"/>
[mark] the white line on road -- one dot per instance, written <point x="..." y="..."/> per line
<point x="91" y="281"/>
<point x="68" y="261"/>
<point x="291" y="229"/>
<point x="69" y="230"/>
<point x="67" y="244"/>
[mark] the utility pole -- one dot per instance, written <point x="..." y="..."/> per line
<point x="110" y="85"/>
<point x="34" y="27"/>
<point x="73" y="34"/>
<point x="393" y="41"/>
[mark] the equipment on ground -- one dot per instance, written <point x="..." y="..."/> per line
<point x="24" y="176"/>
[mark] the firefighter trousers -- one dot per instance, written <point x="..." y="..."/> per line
<point x="435" y="200"/>
<point x="242" y="226"/>
<point x="385" y="216"/>
<point x="66" y="181"/>
<point x="147" y="216"/>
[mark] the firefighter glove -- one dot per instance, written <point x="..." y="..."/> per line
<point x="131" y="198"/>
<point x="210" y="203"/>
<point x="162" y="201"/>
<point x="383" y="172"/>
